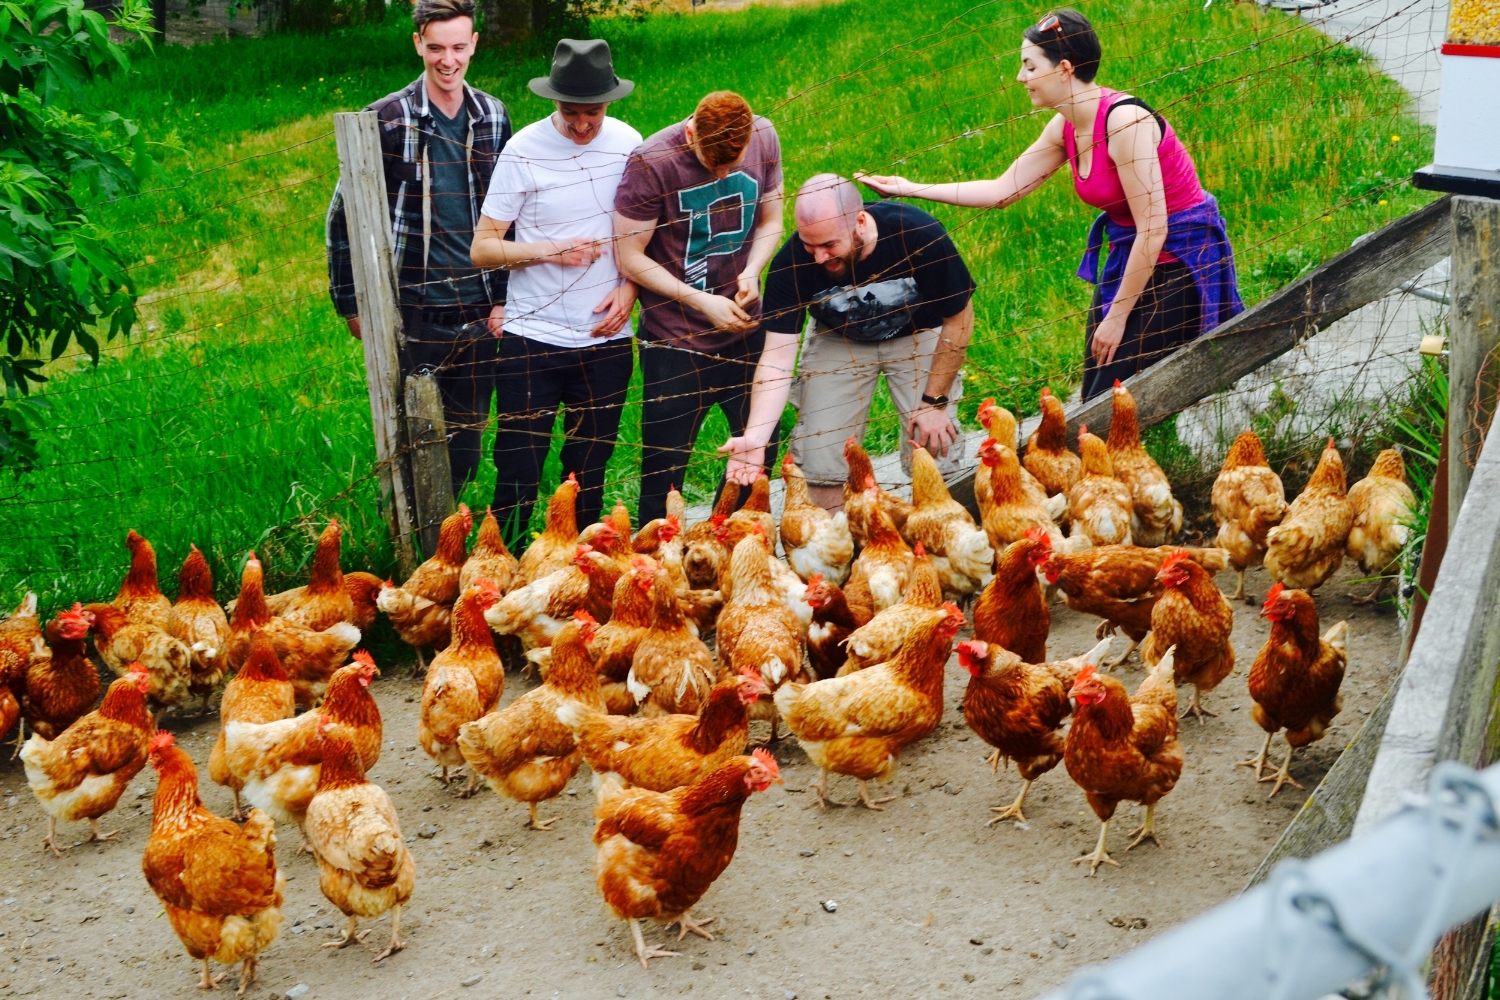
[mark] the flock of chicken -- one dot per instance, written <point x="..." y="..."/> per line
<point x="844" y="643"/>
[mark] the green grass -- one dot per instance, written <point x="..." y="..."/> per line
<point x="236" y="417"/>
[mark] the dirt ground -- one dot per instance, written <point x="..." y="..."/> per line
<point x="930" y="902"/>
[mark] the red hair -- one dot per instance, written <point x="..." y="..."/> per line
<point x="722" y="123"/>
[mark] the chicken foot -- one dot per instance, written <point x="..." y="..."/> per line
<point x="396" y="943"/>
<point x="1147" y="829"/>
<point x="1259" y="760"/>
<point x="869" y="803"/>
<point x="1239" y="585"/>
<point x="1099" y="856"/>
<point x="20" y="736"/>
<point x="686" y="924"/>
<point x="1012" y="811"/>
<point x="95" y="835"/>
<point x="50" y="841"/>
<point x="247" y="975"/>
<point x="350" y="936"/>
<point x="471" y="789"/>
<point x="1283" y="776"/>
<point x="820" y="789"/>
<point x="1195" y="708"/>
<point x="642" y="952"/>
<point x="210" y="981"/>
<point x="540" y="824"/>
<point x="1117" y="661"/>
<point x="1373" y="595"/>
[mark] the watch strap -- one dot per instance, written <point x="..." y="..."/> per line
<point x="934" y="400"/>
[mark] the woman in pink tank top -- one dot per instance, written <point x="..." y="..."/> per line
<point x="1168" y="274"/>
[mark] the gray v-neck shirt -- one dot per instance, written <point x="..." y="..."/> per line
<point x="452" y="278"/>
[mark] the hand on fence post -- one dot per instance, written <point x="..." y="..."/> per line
<point x="354" y="330"/>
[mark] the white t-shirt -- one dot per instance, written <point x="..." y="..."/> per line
<point x="555" y="189"/>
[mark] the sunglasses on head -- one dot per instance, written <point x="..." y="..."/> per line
<point x="1052" y="23"/>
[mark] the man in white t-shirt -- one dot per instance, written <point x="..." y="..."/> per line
<point x="567" y="310"/>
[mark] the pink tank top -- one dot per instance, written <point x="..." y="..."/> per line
<point x="1102" y="188"/>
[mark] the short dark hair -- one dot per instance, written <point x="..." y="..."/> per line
<point x="425" y="12"/>
<point x="1072" y="38"/>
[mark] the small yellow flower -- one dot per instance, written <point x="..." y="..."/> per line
<point x="1327" y="218"/>
<point x="1384" y="202"/>
<point x="1395" y="138"/>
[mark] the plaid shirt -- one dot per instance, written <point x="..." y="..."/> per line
<point x="405" y="125"/>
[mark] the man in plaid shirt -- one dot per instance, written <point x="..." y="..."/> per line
<point x="440" y="139"/>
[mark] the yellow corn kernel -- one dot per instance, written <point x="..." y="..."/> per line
<point x="1474" y="22"/>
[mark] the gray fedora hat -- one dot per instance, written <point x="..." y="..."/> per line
<point x="582" y="73"/>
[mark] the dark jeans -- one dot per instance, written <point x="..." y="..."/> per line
<point x="679" y="386"/>
<point x="1165" y="317"/>
<point x="458" y="346"/>
<point x="531" y="379"/>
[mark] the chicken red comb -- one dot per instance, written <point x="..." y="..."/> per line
<point x="718" y="519"/>
<point x="1086" y="673"/>
<point x="976" y="649"/>
<point x="1174" y="558"/>
<point x="324" y="722"/>
<point x="1046" y="391"/>
<point x="870" y="483"/>
<point x="582" y="617"/>
<point x="851" y="442"/>
<point x="137" y="669"/>
<point x="750" y="673"/>
<point x="1117" y="383"/>
<point x="815" y="580"/>
<point x="953" y="613"/>
<point x="919" y="550"/>
<point x="389" y="583"/>
<point x="1275" y="592"/>
<point x="364" y="659"/>
<point x="988" y="404"/>
<point x="573" y="478"/>
<point x="76" y="614"/>
<point x="786" y="461"/>
<point x="1330" y="442"/>
<point x="764" y="758"/>
<point x="759" y="529"/>
<point x="1039" y="536"/>
<point x="487" y="589"/>
<point x="1082" y="430"/>
<point x="161" y="741"/>
<point x="643" y="564"/>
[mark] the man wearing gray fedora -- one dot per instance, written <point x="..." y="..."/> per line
<point x="567" y="310"/>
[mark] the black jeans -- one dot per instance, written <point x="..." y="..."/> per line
<point x="457" y="345"/>
<point x="1165" y="317"/>
<point x="531" y="379"/>
<point x="679" y="386"/>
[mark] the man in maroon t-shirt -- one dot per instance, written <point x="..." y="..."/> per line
<point x="697" y="218"/>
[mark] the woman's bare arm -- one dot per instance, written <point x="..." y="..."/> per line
<point x="1029" y="171"/>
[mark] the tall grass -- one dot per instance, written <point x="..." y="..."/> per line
<point x="237" y="417"/>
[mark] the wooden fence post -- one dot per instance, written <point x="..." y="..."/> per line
<point x="362" y="181"/>
<point x="431" y="473"/>
<point x="1473" y="335"/>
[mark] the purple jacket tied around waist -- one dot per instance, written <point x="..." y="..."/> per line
<point x="1196" y="237"/>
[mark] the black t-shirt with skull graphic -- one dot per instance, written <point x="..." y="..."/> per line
<point x="912" y="280"/>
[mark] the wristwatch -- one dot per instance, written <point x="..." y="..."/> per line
<point x="934" y="400"/>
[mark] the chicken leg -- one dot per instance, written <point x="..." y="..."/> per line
<point x="642" y="952"/>
<point x="209" y="981"/>
<point x="1196" y="709"/>
<point x="396" y="943"/>
<point x="247" y="975"/>
<point x="349" y="936"/>
<point x="1374" y="595"/>
<point x="1012" y="811"/>
<point x="50" y="841"/>
<point x="1283" y="776"/>
<point x="540" y="824"/>
<point x="1147" y="829"/>
<point x="1259" y="760"/>
<point x="95" y="835"/>
<point x="686" y="923"/>
<point x="820" y="789"/>
<point x="869" y="803"/>
<point x="1099" y="856"/>
<point x="1239" y="585"/>
<point x="239" y="808"/>
<point x="1123" y="656"/>
<point x="20" y="735"/>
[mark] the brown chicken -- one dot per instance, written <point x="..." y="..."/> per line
<point x="309" y="658"/>
<point x="260" y="692"/>
<point x="1003" y="429"/>
<point x="463" y="682"/>
<point x="1118" y="583"/>
<point x="1012" y="612"/>
<point x="959" y="549"/>
<point x="1248" y="502"/>
<point x="882" y="636"/>
<point x="1123" y="748"/>
<point x="18" y="635"/>
<point x="489" y="558"/>
<point x="1047" y="454"/>
<point x="1307" y="547"/>
<point x="1099" y="505"/>
<point x="420" y="607"/>
<point x="816" y="541"/>
<point x="1012" y="513"/>
<point x="704" y="554"/>
<point x="669" y="751"/>
<point x="121" y="643"/>
<point x="537" y="610"/>
<point x="756" y="631"/>
<point x="614" y="644"/>
<point x="83" y="773"/>
<point x="672" y="670"/>
<point x="140" y="596"/>
<point x="552" y="550"/>
<point x="278" y="761"/>
<point x="62" y="683"/>
<point x="1295" y="679"/>
<point x="1382" y="505"/>
<point x="217" y="882"/>
<point x="198" y="622"/>
<point x="1156" y="516"/>
<point x="833" y="622"/>
<point x="883" y="567"/>
<point x="1192" y="615"/>
<point x="1017" y="707"/>
<point x="659" y="852"/>
<point x="363" y="589"/>
<point x="324" y="601"/>
<point x="858" y="724"/>
<point x="364" y="867"/>
<point x="523" y="751"/>
<point x="861" y="478"/>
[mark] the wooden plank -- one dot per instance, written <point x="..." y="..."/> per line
<point x="431" y="475"/>
<point x="1473" y="335"/>
<point x="362" y="181"/>
<point x="1365" y="273"/>
<point x="1443" y="699"/>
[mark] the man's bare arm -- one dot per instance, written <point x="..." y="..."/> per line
<point x="631" y="238"/>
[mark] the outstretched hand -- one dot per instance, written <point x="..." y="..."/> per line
<point x="889" y="185"/>
<point x="746" y="460"/>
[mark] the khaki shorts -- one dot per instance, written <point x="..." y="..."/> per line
<point x="835" y="384"/>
